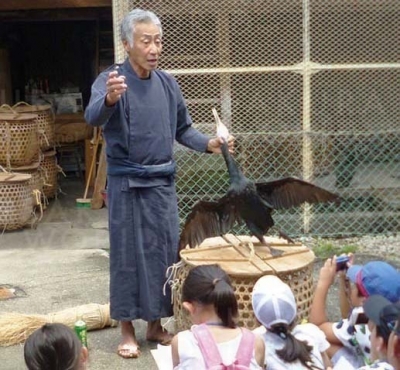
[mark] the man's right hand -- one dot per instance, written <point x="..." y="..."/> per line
<point x="115" y="88"/>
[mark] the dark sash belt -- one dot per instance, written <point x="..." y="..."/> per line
<point x="121" y="167"/>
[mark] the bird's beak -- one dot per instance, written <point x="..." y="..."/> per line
<point x="222" y="130"/>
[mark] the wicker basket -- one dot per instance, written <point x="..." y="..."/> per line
<point x="49" y="171"/>
<point x="45" y="120"/>
<point x="19" y="144"/>
<point x="36" y="181"/>
<point x="233" y="254"/>
<point x="15" y="201"/>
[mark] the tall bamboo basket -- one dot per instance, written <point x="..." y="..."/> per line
<point x="36" y="181"/>
<point x="15" y="200"/>
<point x="19" y="144"/>
<point x="49" y="171"/>
<point x="45" y="119"/>
<point x="245" y="260"/>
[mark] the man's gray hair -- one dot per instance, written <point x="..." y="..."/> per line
<point x="134" y="17"/>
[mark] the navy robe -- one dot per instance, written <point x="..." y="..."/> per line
<point x="143" y="212"/>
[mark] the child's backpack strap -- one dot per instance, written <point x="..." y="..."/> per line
<point x="246" y="348"/>
<point x="207" y="345"/>
<point x="210" y="351"/>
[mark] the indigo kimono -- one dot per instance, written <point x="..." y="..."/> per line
<point x="143" y="214"/>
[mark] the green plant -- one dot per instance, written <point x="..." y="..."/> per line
<point x="325" y="249"/>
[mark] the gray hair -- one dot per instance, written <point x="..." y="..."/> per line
<point x="134" y="17"/>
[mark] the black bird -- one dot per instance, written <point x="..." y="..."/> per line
<point x="248" y="202"/>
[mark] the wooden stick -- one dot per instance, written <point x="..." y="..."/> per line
<point x="101" y="179"/>
<point x="94" y="159"/>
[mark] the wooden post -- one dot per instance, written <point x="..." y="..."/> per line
<point x="101" y="180"/>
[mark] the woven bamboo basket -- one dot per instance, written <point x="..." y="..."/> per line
<point x="15" y="201"/>
<point x="245" y="260"/>
<point x="45" y="120"/>
<point x="49" y="171"/>
<point x="19" y="144"/>
<point x="36" y="181"/>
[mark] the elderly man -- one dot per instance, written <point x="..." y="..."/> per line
<point x="142" y="112"/>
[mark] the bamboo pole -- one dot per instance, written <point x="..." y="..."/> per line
<point x="307" y="144"/>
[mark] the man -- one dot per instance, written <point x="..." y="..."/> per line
<point x="142" y="112"/>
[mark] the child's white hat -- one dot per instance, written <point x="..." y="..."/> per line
<point x="273" y="301"/>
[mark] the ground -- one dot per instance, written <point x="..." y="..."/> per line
<point x="63" y="263"/>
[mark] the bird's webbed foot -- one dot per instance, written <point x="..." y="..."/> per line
<point x="284" y="236"/>
<point x="275" y="252"/>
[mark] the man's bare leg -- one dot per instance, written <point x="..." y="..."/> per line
<point x="156" y="333"/>
<point x="128" y="347"/>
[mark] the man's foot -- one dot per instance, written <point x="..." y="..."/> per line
<point x="156" y="333"/>
<point x="128" y="351"/>
<point x="129" y="347"/>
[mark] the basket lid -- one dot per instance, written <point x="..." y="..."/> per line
<point x="234" y="255"/>
<point x="32" y="166"/>
<point x="49" y="153"/>
<point x="31" y="108"/>
<point x="17" y="117"/>
<point x="8" y="177"/>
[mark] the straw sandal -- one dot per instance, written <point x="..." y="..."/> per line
<point x="166" y="341"/>
<point x="128" y="351"/>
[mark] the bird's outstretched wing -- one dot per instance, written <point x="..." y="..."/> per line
<point x="291" y="192"/>
<point x="207" y="219"/>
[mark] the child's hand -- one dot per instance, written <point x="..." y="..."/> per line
<point x="328" y="272"/>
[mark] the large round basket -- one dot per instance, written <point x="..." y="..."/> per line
<point x="245" y="260"/>
<point x="49" y="171"/>
<point x="15" y="201"/>
<point x="45" y="120"/>
<point x="36" y="181"/>
<point x="19" y="144"/>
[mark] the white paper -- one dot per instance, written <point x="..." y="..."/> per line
<point x="163" y="357"/>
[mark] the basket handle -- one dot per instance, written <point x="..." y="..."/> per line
<point x="8" y="144"/>
<point x="3" y="169"/>
<point x="22" y="103"/>
<point x="38" y="195"/>
<point x="6" y="106"/>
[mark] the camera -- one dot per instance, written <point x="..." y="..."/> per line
<point x="341" y="263"/>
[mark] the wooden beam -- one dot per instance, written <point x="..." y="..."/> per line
<point x="46" y="15"/>
<point x="52" y="4"/>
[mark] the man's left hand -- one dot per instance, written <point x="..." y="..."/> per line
<point x="214" y="145"/>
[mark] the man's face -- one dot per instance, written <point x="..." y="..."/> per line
<point x="145" y="53"/>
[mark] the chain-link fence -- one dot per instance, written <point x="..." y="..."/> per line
<point x="309" y="89"/>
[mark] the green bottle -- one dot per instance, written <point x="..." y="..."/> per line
<point x="80" y="328"/>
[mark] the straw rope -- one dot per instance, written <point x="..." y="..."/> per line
<point x="16" y="328"/>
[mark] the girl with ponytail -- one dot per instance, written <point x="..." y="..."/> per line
<point x="288" y="346"/>
<point x="209" y="298"/>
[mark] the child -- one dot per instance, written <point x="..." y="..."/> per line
<point x="54" y="347"/>
<point x="287" y="346"/>
<point x="382" y="316"/>
<point x="209" y="298"/>
<point x="394" y="343"/>
<point x="349" y="338"/>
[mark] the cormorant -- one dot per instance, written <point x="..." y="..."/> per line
<point x="248" y="202"/>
